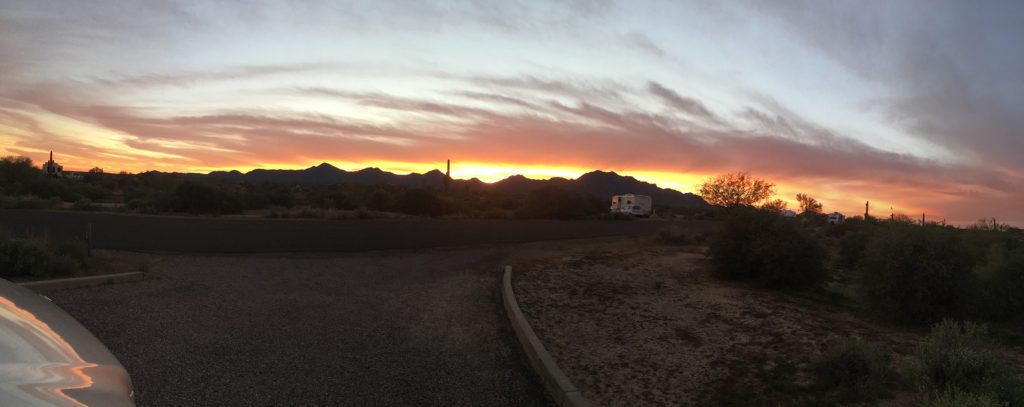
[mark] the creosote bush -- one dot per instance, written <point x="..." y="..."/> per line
<point x="768" y="249"/>
<point x="199" y="197"/>
<point x="23" y="257"/>
<point x="956" y="362"/>
<point x="1001" y="284"/>
<point x="856" y="371"/>
<point x="915" y="274"/>
<point x="958" y="398"/>
<point x="675" y="235"/>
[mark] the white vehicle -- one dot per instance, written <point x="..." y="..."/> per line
<point x="47" y="359"/>
<point x="636" y="205"/>
<point x="835" y="218"/>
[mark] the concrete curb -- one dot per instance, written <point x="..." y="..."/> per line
<point x="79" y="282"/>
<point x="557" y="383"/>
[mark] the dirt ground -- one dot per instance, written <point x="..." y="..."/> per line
<point x="636" y="323"/>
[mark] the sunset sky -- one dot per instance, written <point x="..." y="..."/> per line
<point x="915" y="105"/>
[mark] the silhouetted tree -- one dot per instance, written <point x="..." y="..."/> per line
<point x="775" y="205"/>
<point x="16" y="173"/>
<point x="808" y="204"/>
<point x="737" y="189"/>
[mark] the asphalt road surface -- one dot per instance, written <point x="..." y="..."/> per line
<point x="403" y="328"/>
<point x="222" y="235"/>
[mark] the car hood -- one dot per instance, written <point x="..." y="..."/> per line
<point x="49" y="359"/>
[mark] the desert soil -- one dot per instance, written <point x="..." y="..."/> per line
<point x="637" y="323"/>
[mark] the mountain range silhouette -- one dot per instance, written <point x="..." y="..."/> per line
<point x="600" y="184"/>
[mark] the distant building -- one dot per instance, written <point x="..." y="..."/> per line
<point x="788" y="213"/>
<point x="836" y="217"/>
<point x="53" y="169"/>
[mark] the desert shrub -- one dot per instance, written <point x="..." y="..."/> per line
<point x="146" y="205"/>
<point x="420" y="202"/>
<point x="957" y="398"/>
<point x="1000" y="294"/>
<point x="957" y="357"/>
<point x="23" y="202"/>
<point x="22" y="257"/>
<point x="915" y="274"/>
<point x="276" y="215"/>
<point x="75" y="250"/>
<point x="84" y="204"/>
<point x="767" y="248"/>
<point x="379" y="200"/>
<point x="363" y="213"/>
<point x="60" y="266"/>
<point x="255" y="199"/>
<point x="49" y="187"/>
<point x="851" y="248"/>
<point x="307" y="213"/>
<point x="33" y="257"/>
<point x="199" y="198"/>
<point x="675" y="235"/>
<point x="495" y="213"/>
<point x="616" y="216"/>
<point x="552" y="202"/>
<point x="330" y="198"/>
<point x="280" y="196"/>
<point x="855" y="370"/>
<point x="17" y="172"/>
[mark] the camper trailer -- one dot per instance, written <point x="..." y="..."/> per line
<point x="836" y="218"/>
<point x="636" y="205"/>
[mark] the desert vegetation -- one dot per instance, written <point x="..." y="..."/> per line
<point x="33" y="257"/>
<point x="962" y="280"/>
<point x="776" y="309"/>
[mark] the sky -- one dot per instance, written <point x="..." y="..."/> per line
<point x="916" y="106"/>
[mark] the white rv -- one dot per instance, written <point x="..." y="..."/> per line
<point x="636" y="205"/>
<point x="836" y="218"/>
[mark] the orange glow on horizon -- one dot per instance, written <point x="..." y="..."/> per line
<point x="846" y="199"/>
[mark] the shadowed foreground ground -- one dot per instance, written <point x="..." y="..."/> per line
<point x="387" y="328"/>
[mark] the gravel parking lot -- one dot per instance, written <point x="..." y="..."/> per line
<point x="385" y="328"/>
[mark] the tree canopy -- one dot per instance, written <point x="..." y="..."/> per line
<point x="808" y="204"/>
<point x="736" y="189"/>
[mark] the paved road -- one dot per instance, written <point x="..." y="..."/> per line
<point x="219" y="235"/>
<point x="388" y="328"/>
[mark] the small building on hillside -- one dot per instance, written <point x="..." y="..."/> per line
<point x="836" y="218"/>
<point x="53" y="169"/>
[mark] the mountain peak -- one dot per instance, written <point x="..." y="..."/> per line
<point x="324" y="166"/>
